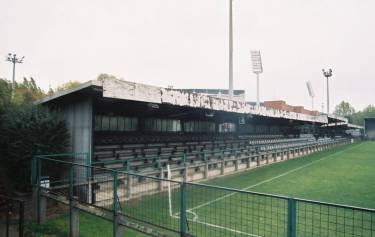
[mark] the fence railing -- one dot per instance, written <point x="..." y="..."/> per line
<point x="195" y="209"/>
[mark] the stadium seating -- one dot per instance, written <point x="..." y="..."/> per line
<point x="195" y="151"/>
<point x="193" y="159"/>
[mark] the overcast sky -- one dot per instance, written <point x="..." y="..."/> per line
<point x="184" y="43"/>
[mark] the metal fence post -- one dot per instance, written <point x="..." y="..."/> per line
<point x="35" y="194"/>
<point x="88" y="165"/>
<point x="292" y="217"/>
<point x="160" y="168"/>
<point x="118" y="228"/>
<point x="33" y="170"/>
<point x="205" y="165"/>
<point x="73" y="212"/>
<point x="222" y="171"/>
<point x="185" y="168"/>
<point x="21" y="218"/>
<point x="129" y="180"/>
<point x="38" y="175"/>
<point x="183" y="220"/>
<point x="7" y="221"/>
<point x="114" y="204"/>
<point x="71" y="182"/>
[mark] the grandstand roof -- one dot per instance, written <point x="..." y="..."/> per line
<point x="344" y="125"/>
<point x="131" y="91"/>
<point x="332" y="118"/>
<point x="213" y="91"/>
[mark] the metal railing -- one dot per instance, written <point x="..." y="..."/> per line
<point x="195" y="209"/>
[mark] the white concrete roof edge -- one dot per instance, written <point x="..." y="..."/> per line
<point x="121" y="89"/>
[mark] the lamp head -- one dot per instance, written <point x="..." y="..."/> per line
<point x="327" y="73"/>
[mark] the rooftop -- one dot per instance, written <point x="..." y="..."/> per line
<point x="125" y="90"/>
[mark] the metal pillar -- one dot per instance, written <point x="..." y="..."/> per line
<point x="258" y="100"/>
<point x="231" y="49"/>
<point x="327" y="96"/>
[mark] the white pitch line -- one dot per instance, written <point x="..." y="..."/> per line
<point x="195" y="216"/>
<point x="217" y="226"/>
<point x="269" y="180"/>
<point x="226" y="228"/>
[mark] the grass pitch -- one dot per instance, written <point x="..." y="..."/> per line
<point x="344" y="175"/>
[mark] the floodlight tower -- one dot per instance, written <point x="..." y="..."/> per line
<point x="327" y="74"/>
<point x="311" y="93"/>
<point x="13" y="59"/>
<point x="231" y="49"/>
<point x="256" y="60"/>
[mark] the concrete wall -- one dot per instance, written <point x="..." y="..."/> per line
<point x="78" y="116"/>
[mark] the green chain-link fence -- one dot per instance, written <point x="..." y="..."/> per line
<point x="192" y="209"/>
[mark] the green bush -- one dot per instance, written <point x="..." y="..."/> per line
<point x="27" y="130"/>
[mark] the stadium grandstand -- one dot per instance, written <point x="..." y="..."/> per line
<point x="140" y="157"/>
<point x="140" y="128"/>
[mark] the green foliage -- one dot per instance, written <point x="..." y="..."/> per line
<point x="105" y="76"/>
<point x="26" y="130"/>
<point x="67" y="86"/>
<point x="26" y="92"/>
<point x="344" y="109"/>
<point x="359" y="117"/>
<point x="5" y="93"/>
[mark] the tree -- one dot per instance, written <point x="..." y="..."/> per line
<point x="359" y="117"/>
<point x="105" y="76"/>
<point x="26" y="130"/>
<point x="5" y="93"/>
<point x="344" y="109"/>
<point x="50" y="92"/>
<point x="27" y="92"/>
<point x="67" y="86"/>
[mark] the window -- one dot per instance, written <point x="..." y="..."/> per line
<point x="162" y="125"/>
<point x="199" y="126"/>
<point x="227" y="127"/>
<point x="134" y="124"/>
<point x="121" y="123"/>
<point x="105" y="123"/>
<point x="115" y="123"/>
<point x="128" y="124"/>
<point x="97" y="123"/>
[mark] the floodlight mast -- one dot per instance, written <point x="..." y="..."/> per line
<point x="256" y="60"/>
<point x="13" y="59"/>
<point x="327" y="74"/>
<point x="311" y="93"/>
<point x="231" y="49"/>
